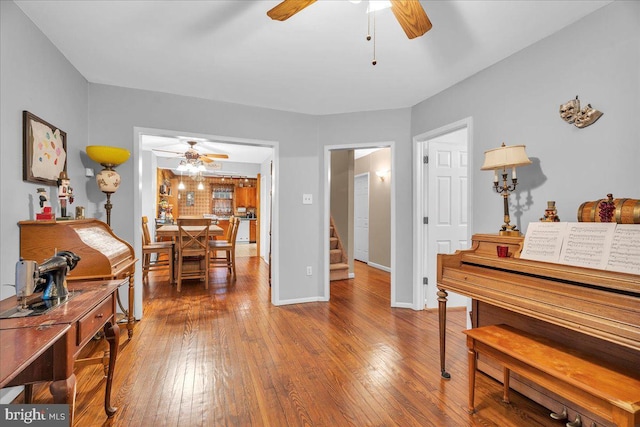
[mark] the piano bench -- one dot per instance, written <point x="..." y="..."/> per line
<point x="577" y="376"/>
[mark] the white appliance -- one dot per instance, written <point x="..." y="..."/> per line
<point x="243" y="231"/>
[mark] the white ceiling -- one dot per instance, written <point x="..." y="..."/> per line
<point x="317" y="62"/>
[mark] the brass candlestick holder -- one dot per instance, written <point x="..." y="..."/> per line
<point x="507" y="229"/>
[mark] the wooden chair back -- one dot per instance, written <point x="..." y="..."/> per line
<point x="146" y="236"/>
<point x="193" y="236"/>
<point x="234" y="225"/>
<point x="229" y="231"/>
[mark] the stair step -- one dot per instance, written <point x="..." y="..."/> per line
<point x="333" y="242"/>
<point x="335" y="256"/>
<point x="338" y="271"/>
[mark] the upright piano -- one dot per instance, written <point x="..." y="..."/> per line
<point x="104" y="256"/>
<point x="595" y="311"/>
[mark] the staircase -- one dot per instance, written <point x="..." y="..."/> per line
<point x="338" y="263"/>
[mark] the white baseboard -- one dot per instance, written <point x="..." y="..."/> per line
<point x="300" y="300"/>
<point x="379" y="267"/>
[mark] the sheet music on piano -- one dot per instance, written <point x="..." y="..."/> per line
<point x="604" y="246"/>
<point x="625" y="249"/>
<point x="543" y="241"/>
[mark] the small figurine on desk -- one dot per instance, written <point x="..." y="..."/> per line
<point x="45" y="212"/>
<point x="65" y="194"/>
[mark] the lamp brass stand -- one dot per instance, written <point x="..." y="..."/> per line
<point x="504" y="189"/>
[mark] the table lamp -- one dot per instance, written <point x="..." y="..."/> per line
<point x="501" y="159"/>
<point x="108" y="179"/>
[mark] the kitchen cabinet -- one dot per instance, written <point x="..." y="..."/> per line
<point x="245" y="197"/>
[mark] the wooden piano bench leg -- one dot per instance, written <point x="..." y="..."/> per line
<point x="473" y="366"/>
<point x="505" y="381"/>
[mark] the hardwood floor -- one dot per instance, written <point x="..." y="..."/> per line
<point x="227" y="357"/>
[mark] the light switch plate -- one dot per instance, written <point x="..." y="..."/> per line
<point x="307" y="199"/>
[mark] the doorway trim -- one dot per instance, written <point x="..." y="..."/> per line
<point x="419" y="245"/>
<point x="137" y="202"/>
<point x="327" y="212"/>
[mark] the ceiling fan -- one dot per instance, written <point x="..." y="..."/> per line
<point x="192" y="155"/>
<point x="409" y="13"/>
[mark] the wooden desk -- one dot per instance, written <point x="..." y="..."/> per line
<point x="44" y="348"/>
<point x="171" y="231"/>
<point x="104" y="256"/>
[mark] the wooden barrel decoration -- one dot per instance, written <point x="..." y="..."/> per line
<point x="627" y="211"/>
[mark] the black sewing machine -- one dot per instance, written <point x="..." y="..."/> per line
<point x="48" y="278"/>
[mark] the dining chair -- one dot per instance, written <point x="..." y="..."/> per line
<point x="228" y="246"/>
<point x="193" y="250"/>
<point x="159" y="248"/>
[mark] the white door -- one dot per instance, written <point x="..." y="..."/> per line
<point x="446" y="205"/>
<point x="361" y="217"/>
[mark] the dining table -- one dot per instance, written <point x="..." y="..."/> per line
<point x="170" y="231"/>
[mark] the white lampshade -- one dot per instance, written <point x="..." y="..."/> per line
<point x="505" y="157"/>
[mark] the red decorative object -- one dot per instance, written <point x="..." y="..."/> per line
<point x="607" y="208"/>
<point x="46" y="214"/>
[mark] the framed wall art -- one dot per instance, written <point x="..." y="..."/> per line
<point x="44" y="150"/>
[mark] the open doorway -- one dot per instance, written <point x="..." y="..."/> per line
<point x="383" y="178"/>
<point x="443" y="205"/>
<point x="268" y="205"/>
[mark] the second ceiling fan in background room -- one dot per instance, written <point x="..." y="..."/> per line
<point x="409" y="13"/>
<point x="193" y="156"/>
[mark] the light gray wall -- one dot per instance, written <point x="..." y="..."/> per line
<point x="517" y="101"/>
<point x="36" y="77"/>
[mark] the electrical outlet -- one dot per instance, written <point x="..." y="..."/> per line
<point x="307" y="199"/>
<point x="309" y="270"/>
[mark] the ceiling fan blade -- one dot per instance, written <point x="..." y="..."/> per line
<point x="167" y="151"/>
<point x="288" y="8"/>
<point x="215" y="156"/>
<point x="411" y="16"/>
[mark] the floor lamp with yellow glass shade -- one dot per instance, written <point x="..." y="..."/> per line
<point x="108" y="179"/>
